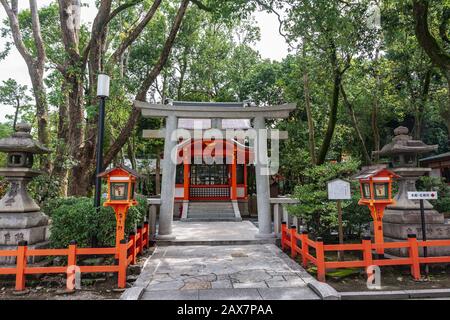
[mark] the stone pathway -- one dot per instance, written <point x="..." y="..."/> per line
<point x="226" y="272"/>
<point x="213" y="233"/>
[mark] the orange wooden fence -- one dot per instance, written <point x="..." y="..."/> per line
<point x="300" y="245"/>
<point x="125" y="254"/>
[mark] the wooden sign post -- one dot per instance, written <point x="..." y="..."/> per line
<point x="421" y="196"/>
<point x="339" y="190"/>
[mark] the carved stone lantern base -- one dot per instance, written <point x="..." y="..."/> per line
<point x="404" y="217"/>
<point x="20" y="217"/>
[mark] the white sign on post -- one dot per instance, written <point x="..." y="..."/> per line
<point x="339" y="189"/>
<point x="422" y="195"/>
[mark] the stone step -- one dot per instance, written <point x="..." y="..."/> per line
<point x="210" y="211"/>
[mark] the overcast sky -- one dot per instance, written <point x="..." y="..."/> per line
<point x="271" y="46"/>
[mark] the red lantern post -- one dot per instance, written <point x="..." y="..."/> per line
<point x="120" y="196"/>
<point x="376" y="193"/>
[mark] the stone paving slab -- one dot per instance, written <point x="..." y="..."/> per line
<point x="214" y="233"/>
<point x="256" y="271"/>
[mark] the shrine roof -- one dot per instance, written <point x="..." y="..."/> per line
<point x="121" y="167"/>
<point x="372" y="171"/>
<point x="436" y="157"/>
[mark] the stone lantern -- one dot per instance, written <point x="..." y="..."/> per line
<point x="403" y="217"/>
<point x="20" y="216"/>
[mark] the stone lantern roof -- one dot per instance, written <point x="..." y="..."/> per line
<point x="22" y="141"/>
<point x="403" y="143"/>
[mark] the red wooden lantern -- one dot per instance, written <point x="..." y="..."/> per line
<point x="376" y="193"/>
<point x="121" y="195"/>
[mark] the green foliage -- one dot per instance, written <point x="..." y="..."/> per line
<point x="14" y="95"/>
<point x="317" y="212"/>
<point x="76" y="219"/>
<point x="442" y="204"/>
<point x="44" y="188"/>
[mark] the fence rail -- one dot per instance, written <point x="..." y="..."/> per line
<point x="300" y="244"/>
<point x="126" y="254"/>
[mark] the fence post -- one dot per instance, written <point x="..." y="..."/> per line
<point x="21" y="263"/>
<point x="293" y="242"/>
<point x="283" y="235"/>
<point x="123" y="264"/>
<point x="367" y="252"/>
<point x="305" y="248"/>
<point x="147" y="235"/>
<point x="71" y="263"/>
<point x="320" y="257"/>
<point x="414" y="256"/>
<point x="133" y="247"/>
<point x="140" y="243"/>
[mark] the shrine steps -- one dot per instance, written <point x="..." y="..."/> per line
<point x="209" y="211"/>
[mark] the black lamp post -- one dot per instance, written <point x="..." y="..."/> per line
<point x="102" y="94"/>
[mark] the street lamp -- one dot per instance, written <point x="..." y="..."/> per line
<point x="102" y="94"/>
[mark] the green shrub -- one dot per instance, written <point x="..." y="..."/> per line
<point x="442" y="204"/>
<point x="319" y="213"/>
<point x="76" y="219"/>
<point x="44" y="188"/>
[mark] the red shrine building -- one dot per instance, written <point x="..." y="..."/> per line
<point x="222" y="181"/>
<point x="213" y="173"/>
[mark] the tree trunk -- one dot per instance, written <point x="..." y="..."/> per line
<point x="337" y="74"/>
<point x="59" y="169"/>
<point x="311" y="137"/>
<point x="356" y="127"/>
<point x="16" y="114"/>
<point x="35" y="67"/>
<point x="131" y="155"/>
<point x="418" y="121"/>
<point x="375" y="109"/>
<point x="148" y="81"/>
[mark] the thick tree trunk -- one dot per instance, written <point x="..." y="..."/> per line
<point x="83" y="173"/>
<point x="337" y="75"/>
<point x="59" y="169"/>
<point x="148" y="81"/>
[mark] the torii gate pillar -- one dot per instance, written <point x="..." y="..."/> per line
<point x="168" y="182"/>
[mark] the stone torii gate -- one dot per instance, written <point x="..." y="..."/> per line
<point x="212" y="111"/>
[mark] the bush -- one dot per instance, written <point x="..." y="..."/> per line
<point x="76" y="219"/>
<point x="442" y="204"/>
<point x="44" y="188"/>
<point x="319" y="213"/>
